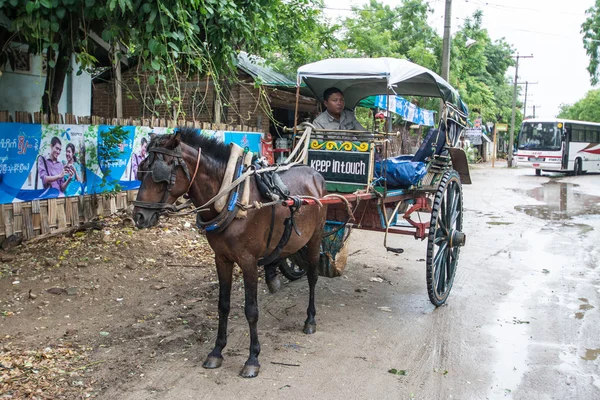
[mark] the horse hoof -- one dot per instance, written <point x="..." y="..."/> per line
<point x="274" y="284"/>
<point x="309" y="329"/>
<point x="250" y="371"/>
<point x="212" y="362"/>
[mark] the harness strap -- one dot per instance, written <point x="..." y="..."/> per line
<point x="271" y="229"/>
<point x="289" y="223"/>
<point x="224" y="218"/>
<point x="195" y="171"/>
<point x="157" y="206"/>
<point x="169" y="152"/>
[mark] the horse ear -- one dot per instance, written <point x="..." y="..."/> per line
<point x="176" y="139"/>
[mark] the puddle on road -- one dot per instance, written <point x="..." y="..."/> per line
<point x="561" y="202"/>
<point x="591" y="354"/>
<point x="583" y="308"/>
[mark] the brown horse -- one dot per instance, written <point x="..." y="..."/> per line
<point x="187" y="162"/>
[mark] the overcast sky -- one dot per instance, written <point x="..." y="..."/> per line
<point x="548" y="29"/>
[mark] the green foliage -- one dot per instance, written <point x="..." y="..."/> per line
<point x="171" y="40"/>
<point x="303" y="36"/>
<point x="586" y="109"/>
<point x="591" y="40"/>
<point x="369" y="32"/>
<point x="479" y="71"/>
<point x="377" y="30"/>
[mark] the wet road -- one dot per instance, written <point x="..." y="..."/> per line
<point x="521" y="322"/>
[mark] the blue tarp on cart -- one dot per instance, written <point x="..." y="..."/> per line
<point x="401" y="171"/>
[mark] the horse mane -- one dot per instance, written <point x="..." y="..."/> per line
<point x="211" y="146"/>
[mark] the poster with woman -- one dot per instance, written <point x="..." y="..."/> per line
<point x="57" y="169"/>
<point x="36" y="164"/>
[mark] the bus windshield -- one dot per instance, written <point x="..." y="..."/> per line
<point x="539" y="136"/>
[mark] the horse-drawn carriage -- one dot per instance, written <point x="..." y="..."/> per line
<point x="385" y="195"/>
<point x="330" y="183"/>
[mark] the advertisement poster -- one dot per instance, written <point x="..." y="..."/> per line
<point x="52" y="161"/>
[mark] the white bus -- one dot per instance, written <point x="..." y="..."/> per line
<point x="559" y="145"/>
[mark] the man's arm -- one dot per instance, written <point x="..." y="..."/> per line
<point x="317" y="122"/>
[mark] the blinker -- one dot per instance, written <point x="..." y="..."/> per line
<point x="160" y="172"/>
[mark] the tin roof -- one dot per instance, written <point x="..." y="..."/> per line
<point x="254" y="66"/>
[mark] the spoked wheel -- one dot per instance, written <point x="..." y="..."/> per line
<point x="291" y="270"/>
<point x="445" y="238"/>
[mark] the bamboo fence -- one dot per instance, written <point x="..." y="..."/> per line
<point x="42" y="217"/>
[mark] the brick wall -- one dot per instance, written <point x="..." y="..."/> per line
<point x="244" y="105"/>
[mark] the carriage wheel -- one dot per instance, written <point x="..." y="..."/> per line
<point x="291" y="270"/>
<point x="445" y="238"/>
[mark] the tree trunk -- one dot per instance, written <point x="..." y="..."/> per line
<point x="55" y="77"/>
<point x="55" y="80"/>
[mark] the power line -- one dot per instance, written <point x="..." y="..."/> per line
<point x="527" y="30"/>
<point x="488" y="4"/>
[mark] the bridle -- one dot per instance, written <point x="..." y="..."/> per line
<point x="160" y="172"/>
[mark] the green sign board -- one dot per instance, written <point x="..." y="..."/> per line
<point x="501" y="127"/>
<point x="341" y="166"/>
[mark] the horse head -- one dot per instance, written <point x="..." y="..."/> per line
<point x="164" y="177"/>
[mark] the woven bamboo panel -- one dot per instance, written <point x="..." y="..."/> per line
<point x="28" y="231"/>
<point x="44" y="227"/>
<point x="74" y="211"/>
<point x="1" y="220"/>
<point x="5" y="116"/>
<point x="8" y="220"/>
<point x="17" y="217"/>
<point x="61" y="215"/>
<point x="88" y="214"/>
<point x="52" y="214"/>
<point x="112" y="206"/>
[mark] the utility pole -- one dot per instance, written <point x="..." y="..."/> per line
<point x="446" y="49"/>
<point x="526" y="83"/>
<point x="447" y="41"/>
<point x="514" y="106"/>
<point x="534" y="110"/>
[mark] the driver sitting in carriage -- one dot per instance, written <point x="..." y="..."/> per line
<point x="336" y="116"/>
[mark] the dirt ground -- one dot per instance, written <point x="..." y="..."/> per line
<point x="116" y="299"/>
<point x="121" y="313"/>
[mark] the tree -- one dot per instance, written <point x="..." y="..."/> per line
<point x="591" y="40"/>
<point x="169" y="40"/>
<point x="303" y="36"/>
<point x="586" y="109"/>
<point x="52" y="27"/>
<point x="479" y="71"/>
<point x="377" y="30"/>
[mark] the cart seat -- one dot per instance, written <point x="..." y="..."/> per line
<point x="407" y="170"/>
<point x="432" y="144"/>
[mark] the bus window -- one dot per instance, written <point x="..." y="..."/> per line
<point x="578" y="135"/>
<point x="540" y="136"/>
<point x="591" y="135"/>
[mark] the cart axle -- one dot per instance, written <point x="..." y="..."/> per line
<point x="457" y="238"/>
